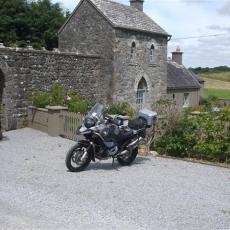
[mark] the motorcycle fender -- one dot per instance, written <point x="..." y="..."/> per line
<point x="87" y="144"/>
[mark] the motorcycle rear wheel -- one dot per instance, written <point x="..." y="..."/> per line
<point x="78" y="158"/>
<point x="128" y="159"/>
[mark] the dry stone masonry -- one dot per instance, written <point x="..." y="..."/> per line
<point x="31" y="71"/>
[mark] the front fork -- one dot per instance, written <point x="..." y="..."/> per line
<point x="89" y="148"/>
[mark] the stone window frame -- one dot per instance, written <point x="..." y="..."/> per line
<point x="133" y="53"/>
<point x="142" y="89"/>
<point x="152" y="53"/>
<point x="186" y="100"/>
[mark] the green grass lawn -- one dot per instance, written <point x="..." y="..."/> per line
<point x="220" y="93"/>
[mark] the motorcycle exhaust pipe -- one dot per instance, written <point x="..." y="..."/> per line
<point x="123" y="153"/>
<point x="131" y="145"/>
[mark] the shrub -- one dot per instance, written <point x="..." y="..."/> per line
<point x="37" y="46"/>
<point x="205" y="101"/>
<point x="56" y="95"/>
<point x="40" y="99"/>
<point x="77" y="103"/>
<point x="206" y="136"/>
<point x="208" y="103"/>
<point x="168" y="116"/>
<point x="211" y="150"/>
<point x="172" y="145"/>
<point x="120" y="108"/>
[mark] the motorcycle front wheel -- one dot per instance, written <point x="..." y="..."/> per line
<point x="77" y="158"/>
<point x="129" y="158"/>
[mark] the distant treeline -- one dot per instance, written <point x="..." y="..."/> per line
<point x="218" y="69"/>
<point x="32" y="22"/>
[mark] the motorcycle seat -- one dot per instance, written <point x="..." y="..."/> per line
<point x="123" y="118"/>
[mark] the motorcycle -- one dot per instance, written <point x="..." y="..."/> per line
<point x="108" y="137"/>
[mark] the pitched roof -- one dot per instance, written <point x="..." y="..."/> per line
<point x="129" y="17"/>
<point x="179" y="77"/>
<point x="124" y="16"/>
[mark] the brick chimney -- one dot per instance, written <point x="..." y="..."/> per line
<point x="138" y="4"/>
<point x="177" y="56"/>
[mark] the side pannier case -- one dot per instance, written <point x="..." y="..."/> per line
<point x="149" y="116"/>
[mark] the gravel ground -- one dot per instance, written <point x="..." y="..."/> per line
<point x="37" y="192"/>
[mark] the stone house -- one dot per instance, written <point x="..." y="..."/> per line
<point x="132" y="45"/>
<point x="108" y="52"/>
<point x="183" y="86"/>
<point x="134" y="51"/>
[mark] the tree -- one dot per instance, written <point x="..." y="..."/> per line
<point x="33" y="23"/>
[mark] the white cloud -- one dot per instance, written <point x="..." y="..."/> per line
<point x="225" y="10"/>
<point x="185" y="18"/>
<point x="219" y="28"/>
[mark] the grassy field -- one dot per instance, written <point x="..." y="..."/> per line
<point x="217" y="84"/>
<point x="220" y="93"/>
<point x="222" y="76"/>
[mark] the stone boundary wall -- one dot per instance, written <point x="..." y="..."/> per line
<point x="31" y="70"/>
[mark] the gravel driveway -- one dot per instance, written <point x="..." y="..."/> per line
<point x="36" y="190"/>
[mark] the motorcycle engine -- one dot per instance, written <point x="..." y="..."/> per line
<point x="112" y="151"/>
<point x="110" y="133"/>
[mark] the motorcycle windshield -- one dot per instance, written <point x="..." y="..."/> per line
<point x="97" y="112"/>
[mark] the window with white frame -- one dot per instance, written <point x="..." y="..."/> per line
<point x="141" y="93"/>
<point x="186" y="100"/>
<point x="133" y="52"/>
<point x="152" y="54"/>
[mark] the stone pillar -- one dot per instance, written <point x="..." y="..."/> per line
<point x="54" y="120"/>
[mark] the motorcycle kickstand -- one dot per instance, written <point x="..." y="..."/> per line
<point x="114" y="165"/>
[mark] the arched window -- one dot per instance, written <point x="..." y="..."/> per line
<point x="152" y="54"/>
<point x="133" y="52"/>
<point x="141" y="93"/>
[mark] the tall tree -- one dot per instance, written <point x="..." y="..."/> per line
<point x="14" y="21"/>
<point x="35" y="23"/>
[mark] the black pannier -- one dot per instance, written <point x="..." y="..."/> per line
<point x="136" y="124"/>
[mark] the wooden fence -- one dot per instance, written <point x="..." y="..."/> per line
<point x="69" y="123"/>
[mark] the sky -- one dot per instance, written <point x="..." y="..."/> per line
<point x="189" y="18"/>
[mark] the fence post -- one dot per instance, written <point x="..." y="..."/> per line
<point x="54" y="120"/>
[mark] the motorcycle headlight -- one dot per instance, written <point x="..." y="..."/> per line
<point x="89" y="122"/>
